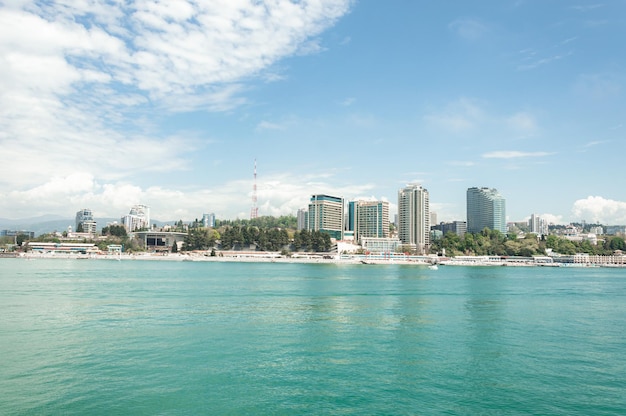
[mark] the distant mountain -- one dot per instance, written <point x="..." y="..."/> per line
<point x="47" y="224"/>
<point x="5" y="222"/>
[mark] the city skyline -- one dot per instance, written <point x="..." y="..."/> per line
<point x="111" y="105"/>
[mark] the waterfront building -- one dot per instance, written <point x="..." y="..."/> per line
<point x="380" y="245"/>
<point x="63" y="248"/>
<point x="485" y="209"/>
<point x="326" y="214"/>
<point x="138" y="218"/>
<point x="160" y="241"/>
<point x="368" y="219"/>
<point x="414" y="217"/>
<point x="85" y="222"/>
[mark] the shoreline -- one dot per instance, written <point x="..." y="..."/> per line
<point x="312" y="259"/>
<point x="230" y="258"/>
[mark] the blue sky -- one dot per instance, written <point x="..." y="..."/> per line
<point x="109" y="104"/>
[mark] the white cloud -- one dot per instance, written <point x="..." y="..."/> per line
<point x="469" y="29"/>
<point x="348" y="101"/>
<point x="447" y="212"/>
<point x="595" y="143"/>
<point x="80" y="82"/>
<point x="552" y="219"/>
<point x="513" y="154"/>
<point x="266" y="125"/>
<point x="310" y="47"/>
<point x="532" y="64"/>
<point x="523" y="122"/>
<point x="598" y="86"/>
<point x="472" y="116"/>
<point x="461" y="163"/>
<point x="600" y="210"/>
<point x="587" y="8"/>
<point x="58" y="187"/>
<point x="461" y="115"/>
<point x="279" y="194"/>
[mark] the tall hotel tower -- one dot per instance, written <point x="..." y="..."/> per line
<point x="485" y="209"/>
<point x="368" y="219"/>
<point x="326" y="214"/>
<point x="414" y="217"/>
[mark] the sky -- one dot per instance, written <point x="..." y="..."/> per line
<point x="108" y="104"/>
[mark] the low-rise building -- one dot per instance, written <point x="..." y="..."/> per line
<point x="380" y="245"/>
<point x="63" y="248"/>
<point x="15" y="233"/>
<point x="159" y="240"/>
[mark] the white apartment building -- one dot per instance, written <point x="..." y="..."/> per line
<point x="538" y="225"/>
<point x="137" y="219"/>
<point x="414" y="217"/>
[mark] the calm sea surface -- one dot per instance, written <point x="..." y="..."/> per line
<point x="152" y="337"/>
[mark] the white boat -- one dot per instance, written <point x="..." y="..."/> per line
<point x="433" y="267"/>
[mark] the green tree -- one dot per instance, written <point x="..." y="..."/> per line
<point x="302" y="240"/>
<point x="114" y="230"/>
<point x="199" y="239"/>
<point x="470" y="246"/>
<point x="586" y="247"/>
<point x="617" y="243"/>
<point x="552" y="241"/>
<point x="512" y="247"/>
<point x="566" y="247"/>
<point x="20" y="238"/>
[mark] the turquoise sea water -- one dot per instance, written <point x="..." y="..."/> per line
<point x="152" y="337"/>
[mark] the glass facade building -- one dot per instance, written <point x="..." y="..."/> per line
<point x="485" y="209"/>
<point x="368" y="219"/>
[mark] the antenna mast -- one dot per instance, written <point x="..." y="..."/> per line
<point x="254" y="211"/>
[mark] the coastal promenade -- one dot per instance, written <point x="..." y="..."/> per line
<point x="275" y="257"/>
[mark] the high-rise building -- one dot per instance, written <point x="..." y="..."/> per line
<point x="368" y="219"/>
<point x="85" y="222"/>
<point x="414" y="217"/>
<point x="485" y="209"/>
<point x="538" y="225"/>
<point x="137" y="219"/>
<point x="301" y="219"/>
<point x="208" y="220"/>
<point x="326" y="214"/>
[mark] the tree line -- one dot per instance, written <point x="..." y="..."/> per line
<point x="494" y="243"/>
<point x="288" y="222"/>
<point x="252" y="237"/>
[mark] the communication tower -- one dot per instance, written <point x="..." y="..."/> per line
<point x="254" y="211"/>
